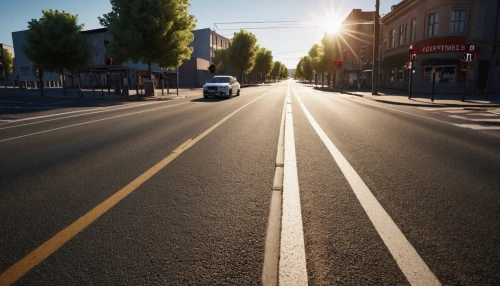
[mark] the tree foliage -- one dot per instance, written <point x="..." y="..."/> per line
<point x="307" y="70"/>
<point x="284" y="72"/>
<point x="6" y="61"/>
<point x="6" y="64"/>
<point x="298" y="74"/>
<point x="263" y="62"/>
<point x="54" y="43"/>
<point x="276" y="71"/>
<point x="221" y="60"/>
<point x="243" y="51"/>
<point x="156" y="32"/>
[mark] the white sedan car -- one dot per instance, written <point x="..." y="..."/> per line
<point x="221" y="85"/>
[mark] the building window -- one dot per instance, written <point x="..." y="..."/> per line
<point x="413" y="30"/>
<point x="96" y="58"/>
<point x="26" y="71"/>
<point x="95" y="42"/>
<point x="443" y="74"/>
<point x="457" y="23"/>
<point x="432" y="28"/>
<point x="402" y="34"/>
<point x="392" y="38"/>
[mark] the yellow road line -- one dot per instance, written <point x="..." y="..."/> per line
<point x="20" y="268"/>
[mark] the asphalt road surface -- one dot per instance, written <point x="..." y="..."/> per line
<point x="178" y="192"/>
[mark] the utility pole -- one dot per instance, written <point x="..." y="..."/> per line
<point x="375" y="48"/>
<point x="493" y="47"/>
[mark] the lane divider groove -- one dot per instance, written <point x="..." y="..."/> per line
<point x="20" y="268"/>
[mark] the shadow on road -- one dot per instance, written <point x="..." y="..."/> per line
<point x="210" y="99"/>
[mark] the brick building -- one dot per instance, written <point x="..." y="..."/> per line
<point x="440" y="32"/>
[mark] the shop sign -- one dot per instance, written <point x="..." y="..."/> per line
<point x="436" y="46"/>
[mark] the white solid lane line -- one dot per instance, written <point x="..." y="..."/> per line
<point x="292" y="264"/>
<point x="407" y="258"/>
<point x="88" y="122"/>
<point x="88" y="112"/>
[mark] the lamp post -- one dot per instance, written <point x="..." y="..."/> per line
<point x="375" y="48"/>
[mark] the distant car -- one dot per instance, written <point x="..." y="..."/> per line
<point x="221" y="85"/>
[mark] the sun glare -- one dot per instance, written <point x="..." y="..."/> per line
<point x="332" y="26"/>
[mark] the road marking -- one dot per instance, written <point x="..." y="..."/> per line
<point x="181" y="148"/>
<point x="475" y="119"/>
<point x="89" y="122"/>
<point x="270" y="268"/>
<point x="479" y="127"/>
<point x="440" y="108"/>
<point x="407" y="258"/>
<point x="483" y="114"/>
<point x="292" y="264"/>
<point x="113" y="108"/>
<point x="20" y="268"/>
<point x="458" y="111"/>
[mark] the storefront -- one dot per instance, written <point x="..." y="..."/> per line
<point x="453" y="62"/>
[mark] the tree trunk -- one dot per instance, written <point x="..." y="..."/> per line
<point x="5" y="78"/>
<point x="149" y="71"/>
<point x="80" y="94"/>
<point x="323" y="79"/>
<point x="40" y="80"/>
<point x="64" y="82"/>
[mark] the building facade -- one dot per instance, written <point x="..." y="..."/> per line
<point x="24" y="69"/>
<point x="356" y="44"/>
<point x="194" y="72"/>
<point x="440" y="32"/>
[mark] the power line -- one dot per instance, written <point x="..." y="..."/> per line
<point x="267" y="28"/>
<point x="265" y="22"/>
<point x="286" y="53"/>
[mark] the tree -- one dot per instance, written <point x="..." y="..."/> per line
<point x="221" y="60"/>
<point x="54" y="43"/>
<point x="154" y="32"/>
<point x="242" y="52"/>
<point x="6" y="64"/>
<point x="263" y="63"/>
<point x="317" y="61"/>
<point x="276" y="71"/>
<point x="331" y="53"/>
<point x="307" y="69"/>
<point x="284" y="72"/>
<point x="298" y="70"/>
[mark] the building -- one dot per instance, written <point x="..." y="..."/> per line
<point x="24" y="69"/>
<point x="104" y="70"/>
<point x="356" y="44"/>
<point x="440" y="33"/>
<point x="194" y="72"/>
<point x="11" y="76"/>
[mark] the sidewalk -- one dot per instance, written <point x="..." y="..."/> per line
<point x="98" y="94"/>
<point x="422" y="100"/>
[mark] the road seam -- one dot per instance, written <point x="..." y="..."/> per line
<point x="292" y="262"/>
<point x="20" y="268"/>
<point x="272" y="243"/>
<point x="405" y="255"/>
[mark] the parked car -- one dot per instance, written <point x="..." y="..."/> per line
<point x="221" y="85"/>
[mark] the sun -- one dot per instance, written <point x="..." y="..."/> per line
<point x="332" y="26"/>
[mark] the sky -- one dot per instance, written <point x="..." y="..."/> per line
<point x="287" y="44"/>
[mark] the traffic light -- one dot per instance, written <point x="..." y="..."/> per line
<point x="211" y="68"/>
<point x="109" y="61"/>
<point x="337" y="63"/>
<point x="412" y="54"/>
